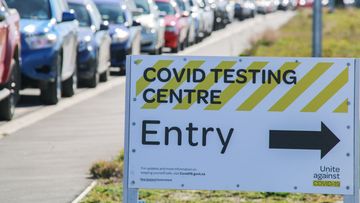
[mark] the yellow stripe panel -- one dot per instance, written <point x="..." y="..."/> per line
<point x="173" y="84"/>
<point x="141" y="83"/>
<point x="290" y="96"/>
<point x="137" y="62"/>
<point x="343" y="107"/>
<point x="329" y="91"/>
<point x="234" y="88"/>
<point x="207" y="83"/>
<point x="265" y="89"/>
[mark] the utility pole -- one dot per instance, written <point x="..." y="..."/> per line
<point x="317" y="29"/>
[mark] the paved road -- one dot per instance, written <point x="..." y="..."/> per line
<point x="48" y="159"/>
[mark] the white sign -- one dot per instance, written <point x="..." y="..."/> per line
<point x="250" y="124"/>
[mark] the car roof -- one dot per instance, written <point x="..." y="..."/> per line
<point x="167" y="1"/>
<point x="77" y="1"/>
<point x="110" y="1"/>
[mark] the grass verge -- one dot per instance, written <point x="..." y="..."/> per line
<point x="341" y="36"/>
<point x="109" y="190"/>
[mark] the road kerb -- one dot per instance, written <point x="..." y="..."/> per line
<point x="36" y="116"/>
<point x="85" y="192"/>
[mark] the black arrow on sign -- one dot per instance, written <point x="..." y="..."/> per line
<point x="323" y="140"/>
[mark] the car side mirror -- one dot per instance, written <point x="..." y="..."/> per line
<point x="136" y="23"/>
<point x="67" y="16"/>
<point x="104" y="26"/>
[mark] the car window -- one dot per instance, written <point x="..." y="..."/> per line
<point x="82" y="14"/>
<point x="166" y="7"/>
<point x="181" y="5"/>
<point x="94" y="14"/>
<point x="34" y="9"/>
<point x="111" y="12"/>
<point x="143" y="4"/>
<point x="191" y="3"/>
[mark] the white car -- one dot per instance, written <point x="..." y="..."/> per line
<point x="153" y="27"/>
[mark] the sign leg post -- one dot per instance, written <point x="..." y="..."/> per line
<point x="355" y="198"/>
<point x="130" y="195"/>
<point x="317" y="29"/>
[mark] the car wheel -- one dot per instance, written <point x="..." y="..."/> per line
<point x="51" y="91"/>
<point x="105" y="75"/>
<point x="93" y="81"/>
<point x="183" y="45"/>
<point x="176" y="49"/>
<point x="7" y="105"/>
<point x="69" y="86"/>
<point x="154" y="52"/>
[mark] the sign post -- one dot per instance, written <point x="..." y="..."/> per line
<point x="130" y="195"/>
<point x="242" y="123"/>
<point x="317" y="29"/>
<point x="355" y="198"/>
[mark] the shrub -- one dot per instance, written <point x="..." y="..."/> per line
<point x="106" y="169"/>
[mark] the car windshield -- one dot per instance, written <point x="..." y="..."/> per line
<point x="111" y="12"/>
<point x="82" y="14"/>
<point x="34" y="9"/>
<point x="181" y="4"/>
<point x="166" y="7"/>
<point x="144" y="5"/>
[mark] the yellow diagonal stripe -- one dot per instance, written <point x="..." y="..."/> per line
<point x="265" y="89"/>
<point x="290" y="96"/>
<point x="343" y="107"/>
<point x="234" y="88"/>
<point x="137" y="62"/>
<point x="207" y="83"/>
<point x="141" y="83"/>
<point x="329" y="91"/>
<point x="174" y="84"/>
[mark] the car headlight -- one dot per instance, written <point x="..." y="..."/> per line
<point x="120" y="35"/>
<point x="41" y="41"/>
<point x="85" y="43"/>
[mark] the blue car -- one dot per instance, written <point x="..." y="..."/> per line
<point x="49" y="47"/>
<point x="94" y="43"/>
<point x="124" y="40"/>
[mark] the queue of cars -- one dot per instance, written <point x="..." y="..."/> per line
<point x="56" y="45"/>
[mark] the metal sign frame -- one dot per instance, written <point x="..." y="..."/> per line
<point x="130" y="195"/>
<point x="355" y="197"/>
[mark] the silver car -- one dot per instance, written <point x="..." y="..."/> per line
<point x="153" y="28"/>
<point x="198" y="15"/>
<point x="209" y="16"/>
<point x="185" y="8"/>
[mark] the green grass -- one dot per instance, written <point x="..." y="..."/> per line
<point x="341" y="39"/>
<point x="109" y="190"/>
<point x="341" y="36"/>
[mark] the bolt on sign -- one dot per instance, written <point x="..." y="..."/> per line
<point x="242" y="123"/>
